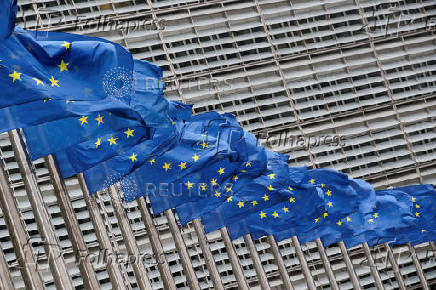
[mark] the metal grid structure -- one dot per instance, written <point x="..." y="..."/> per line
<point x="364" y="70"/>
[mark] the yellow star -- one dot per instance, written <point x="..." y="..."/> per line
<point x="47" y="99"/>
<point x="290" y="188"/>
<point x="329" y="192"/>
<point x="129" y="133"/>
<point x="375" y="215"/>
<point x="265" y="197"/>
<point x="330" y="204"/>
<point x="112" y="141"/>
<point x="316" y="220"/>
<point x="99" y="119"/>
<point x="417" y="206"/>
<point x="133" y="157"/>
<point x="152" y="161"/>
<point x="235" y="178"/>
<point x="63" y="66"/>
<point x="204" y="145"/>
<point x="270" y="187"/>
<point x="54" y="82"/>
<point x="254" y="203"/>
<point x="322" y="185"/>
<point x="326" y="214"/>
<point x="230" y="198"/>
<point x="203" y="186"/>
<point x="285" y="209"/>
<point x="66" y="45"/>
<point x="38" y="82"/>
<point x="83" y="120"/>
<point x="413" y="199"/>
<point x="370" y="221"/>
<point x="271" y="176"/>
<point x="228" y="189"/>
<point x="262" y="215"/>
<point x="167" y="166"/>
<point x="339" y="223"/>
<point x="348" y="219"/>
<point x="243" y="171"/>
<point x="213" y="182"/>
<point x="312" y="181"/>
<point x="275" y="214"/>
<point x="15" y="76"/>
<point x="240" y="204"/>
<point x="195" y="157"/>
<point x="423" y="231"/>
<point x="221" y="171"/>
<point x="189" y="185"/>
<point x="292" y="199"/>
<point x="417" y="214"/>
<point x="182" y="165"/>
<point x="217" y="193"/>
<point x="248" y="164"/>
<point x="98" y="143"/>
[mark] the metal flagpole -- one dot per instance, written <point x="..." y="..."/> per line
<point x="129" y="240"/>
<point x="353" y="277"/>
<point x="327" y="265"/>
<point x="280" y="263"/>
<point x="105" y="244"/>
<point x="372" y="266"/>
<point x="90" y="279"/>
<point x="418" y="267"/>
<point x="395" y="267"/>
<point x="156" y="245"/>
<point x="208" y="257"/>
<point x="304" y="267"/>
<point x="236" y="266"/>
<point x="182" y="251"/>
<point x="5" y="279"/>
<point x="18" y="234"/>
<point x="261" y="275"/>
<point x="51" y="244"/>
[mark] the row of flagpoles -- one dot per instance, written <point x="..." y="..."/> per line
<point x="117" y="274"/>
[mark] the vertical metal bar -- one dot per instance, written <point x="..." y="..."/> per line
<point x="261" y="275"/>
<point x="156" y="245"/>
<point x="395" y="267"/>
<point x="113" y="269"/>
<point x="280" y="263"/>
<point x="18" y="234"/>
<point x="90" y="279"/>
<point x="129" y="240"/>
<point x="208" y="257"/>
<point x="233" y="256"/>
<point x="51" y="244"/>
<point x="418" y="267"/>
<point x="303" y="263"/>
<point x="183" y="251"/>
<point x="353" y="277"/>
<point x="373" y="267"/>
<point x="327" y="265"/>
<point x="5" y="279"/>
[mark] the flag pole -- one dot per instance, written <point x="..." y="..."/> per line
<point x="353" y="277"/>
<point x="261" y="275"/>
<point x="182" y="251"/>
<point x="280" y="263"/>
<point x="395" y="267"/>
<point x="304" y="267"/>
<point x="208" y="257"/>
<point x="18" y="234"/>
<point x="87" y="271"/>
<point x="51" y="244"/>
<point x="156" y="245"/>
<point x="233" y="256"/>
<point x="372" y="266"/>
<point x="327" y="265"/>
<point x="105" y="244"/>
<point x="418" y="267"/>
<point x="129" y="240"/>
